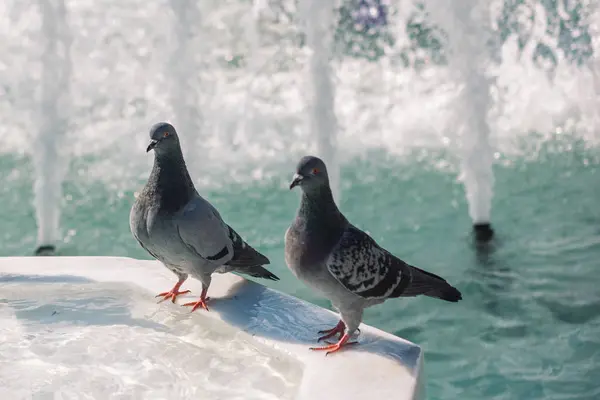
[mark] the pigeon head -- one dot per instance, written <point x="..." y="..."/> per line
<point x="163" y="138"/>
<point x="311" y="173"/>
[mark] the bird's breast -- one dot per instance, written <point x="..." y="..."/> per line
<point x="162" y="230"/>
<point x="293" y="249"/>
<point x="159" y="234"/>
<point x="304" y="251"/>
<point x="138" y="222"/>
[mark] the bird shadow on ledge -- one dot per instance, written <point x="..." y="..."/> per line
<point x="266" y="313"/>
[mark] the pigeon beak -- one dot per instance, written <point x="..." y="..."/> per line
<point x="296" y="181"/>
<point x="152" y="145"/>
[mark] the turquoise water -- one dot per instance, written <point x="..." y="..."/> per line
<point x="529" y="324"/>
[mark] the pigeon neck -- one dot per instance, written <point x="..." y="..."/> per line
<point x="172" y="182"/>
<point x="319" y="203"/>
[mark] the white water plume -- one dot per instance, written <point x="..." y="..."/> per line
<point x="184" y="71"/>
<point x="54" y="109"/>
<point x="247" y="120"/>
<point x="248" y="88"/>
<point x="467" y="24"/>
<point x="319" y="20"/>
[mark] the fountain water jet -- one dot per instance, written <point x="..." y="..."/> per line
<point x="184" y="71"/>
<point x="253" y="34"/>
<point x="319" y="19"/>
<point x="54" y="107"/>
<point x="467" y="24"/>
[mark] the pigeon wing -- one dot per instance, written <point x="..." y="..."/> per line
<point x="203" y="231"/>
<point x="364" y="268"/>
<point x="244" y="255"/>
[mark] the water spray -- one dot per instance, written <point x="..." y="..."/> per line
<point x="319" y="21"/>
<point x="467" y="25"/>
<point x="49" y="162"/>
<point x="183" y="69"/>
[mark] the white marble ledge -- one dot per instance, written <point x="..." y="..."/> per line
<point x="383" y="366"/>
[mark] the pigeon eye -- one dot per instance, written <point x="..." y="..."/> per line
<point x="165" y="134"/>
<point x="315" y="171"/>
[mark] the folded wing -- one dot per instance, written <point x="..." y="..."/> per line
<point x="369" y="271"/>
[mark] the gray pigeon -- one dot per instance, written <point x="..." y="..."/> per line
<point x="342" y="262"/>
<point x="181" y="229"/>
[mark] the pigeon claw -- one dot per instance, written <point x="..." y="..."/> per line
<point x="336" y="330"/>
<point x="197" y="304"/>
<point x="332" y="348"/>
<point x="172" y="294"/>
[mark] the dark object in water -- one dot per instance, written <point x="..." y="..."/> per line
<point x="45" y="250"/>
<point x="483" y="232"/>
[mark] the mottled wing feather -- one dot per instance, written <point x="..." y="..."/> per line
<point x="203" y="231"/>
<point x="364" y="268"/>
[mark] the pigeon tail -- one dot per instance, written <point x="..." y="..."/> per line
<point x="246" y="260"/>
<point x="428" y="284"/>
<point x="447" y="293"/>
<point x="257" y="272"/>
<point x="246" y="256"/>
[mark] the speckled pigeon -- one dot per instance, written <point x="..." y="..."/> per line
<point x="329" y="254"/>
<point x="183" y="230"/>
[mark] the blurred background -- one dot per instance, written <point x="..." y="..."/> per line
<point x="433" y="116"/>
